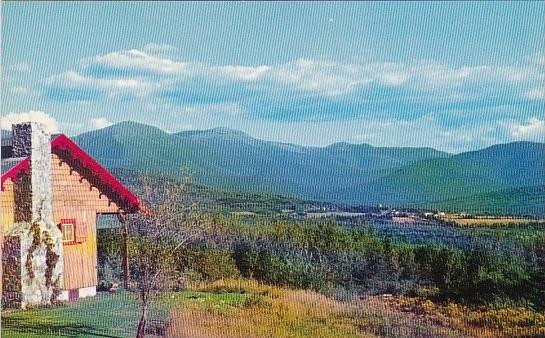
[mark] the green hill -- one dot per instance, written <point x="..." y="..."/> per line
<point x="358" y="174"/>
<point x="233" y="160"/>
<point x="496" y="168"/>
<point x="514" y="201"/>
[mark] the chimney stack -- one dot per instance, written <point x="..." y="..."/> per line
<point x="21" y="136"/>
<point x="34" y="140"/>
<point x="36" y="246"/>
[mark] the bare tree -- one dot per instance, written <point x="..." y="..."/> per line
<point x="165" y="224"/>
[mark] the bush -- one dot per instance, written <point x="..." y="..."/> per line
<point x="472" y="275"/>
<point x="279" y="264"/>
<point x="207" y="264"/>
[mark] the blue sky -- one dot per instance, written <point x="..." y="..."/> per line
<point x="454" y="76"/>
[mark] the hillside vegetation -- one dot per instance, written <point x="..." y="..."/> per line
<point x="226" y="159"/>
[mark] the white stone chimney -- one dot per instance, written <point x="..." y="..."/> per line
<point x="40" y="241"/>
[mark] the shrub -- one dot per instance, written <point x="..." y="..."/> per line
<point x="208" y="264"/>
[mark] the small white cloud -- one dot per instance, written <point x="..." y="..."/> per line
<point x="21" y="67"/>
<point x="323" y="77"/>
<point x="536" y="58"/>
<point x="230" y="108"/>
<point x="98" y="123"/>
<point x="532" y="130"/>
<point x="242" y="73"/>
<point x="113" y="86"/>
<point x="135" y="60"/>
<point x="387" y="74"/>
<point x="32" y="116"/>
<point x="535" y="94"/>
<point x="19" y="90"/>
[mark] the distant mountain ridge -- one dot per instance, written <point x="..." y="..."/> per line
<point x="348" y="173"/>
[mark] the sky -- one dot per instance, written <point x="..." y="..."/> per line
<point x="453" y="76"/>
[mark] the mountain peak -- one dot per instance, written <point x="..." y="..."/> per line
<point x="131" y="124"/>
<point x="347" y="145"/>
<point x="126" y="129"/>
<point x="222" y="132"/>
<point x="228" y="131"/>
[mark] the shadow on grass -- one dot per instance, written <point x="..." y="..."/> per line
<point x="23" y="325"/>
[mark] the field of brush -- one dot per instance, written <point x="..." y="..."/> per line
<point x="247" y="308"/>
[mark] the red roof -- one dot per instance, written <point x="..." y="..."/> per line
<point x="121" y="195"/>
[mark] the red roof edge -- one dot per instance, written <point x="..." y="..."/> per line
<point x="12" y="173"/>
<point x="62" y="142"/>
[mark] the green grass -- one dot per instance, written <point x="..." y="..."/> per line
<point x="109" y="315"/>
<point x="106" y="315"/>
<point x="221" y="301"/>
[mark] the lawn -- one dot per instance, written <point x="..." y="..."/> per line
<point x="106" y="315"/>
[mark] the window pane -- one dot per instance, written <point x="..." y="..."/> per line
<point x="68" y="232"/>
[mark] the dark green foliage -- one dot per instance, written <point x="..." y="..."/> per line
<point x="472" y="275"/>
<point x="207" y="264"/>
<point x="279" y="265"/>
<point x="323" y="256"/>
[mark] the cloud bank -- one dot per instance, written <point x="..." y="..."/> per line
<point x="32" y="116"/>
<point x="418" y="102"/>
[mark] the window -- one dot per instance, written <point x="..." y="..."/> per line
<point x="68" y="229"/>
<point x="68" y="232"/>
<point x="73" y="233"/>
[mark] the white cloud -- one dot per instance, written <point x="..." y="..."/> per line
<point x="241" y="73"/>
<point x="113" y="86"/>
<point x="323" y="77"/>
<point x="98" y="123"/>
<point x="135" y="60"/>
<point x="336" y="79"/>
<point x="433" y="76"/>
<point x="21" y="67"/>
<point x="140" y="61"/>
<point x="537" y="58"/>
<point x="531" y="130"/>
<point x="136" y="72"/>
<point x="229" y="108"/>
<point x="18" y="90"/>
<point x="535" y="94"/>
<point x="32" y="116"/>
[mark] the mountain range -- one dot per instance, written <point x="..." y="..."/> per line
<point x="504" y="178"/>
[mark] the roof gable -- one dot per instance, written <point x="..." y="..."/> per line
<point x="96" y="174"/>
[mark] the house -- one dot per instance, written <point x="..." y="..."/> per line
<point x="52" y="193"/>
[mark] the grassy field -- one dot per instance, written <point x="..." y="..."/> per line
<point x="244" y="308"/>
